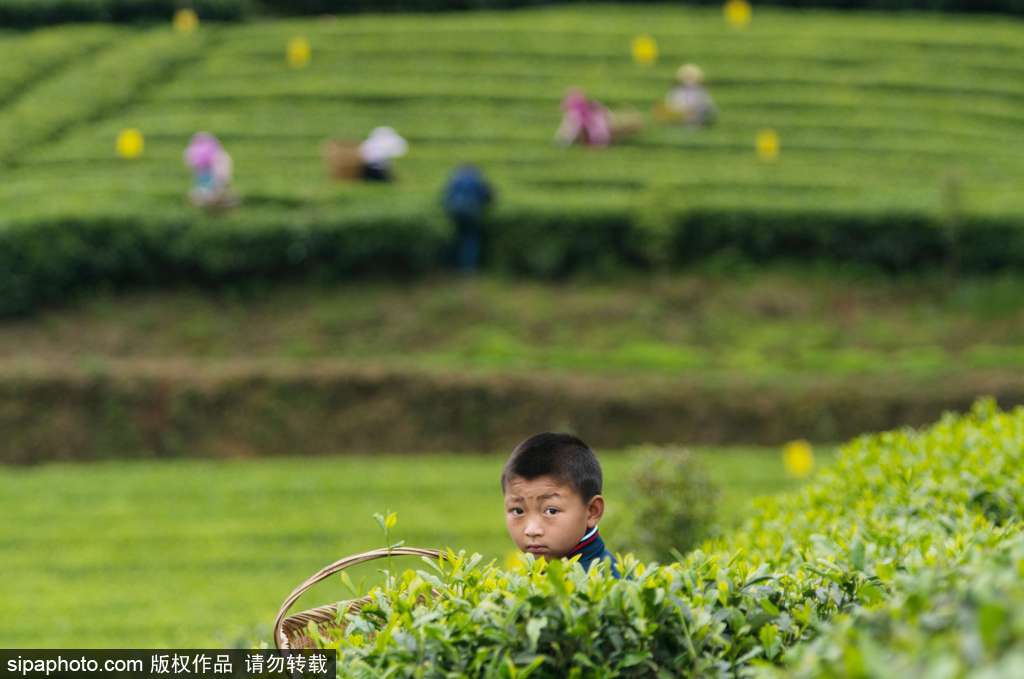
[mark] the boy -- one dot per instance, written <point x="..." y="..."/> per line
<point x="552" y="487"/>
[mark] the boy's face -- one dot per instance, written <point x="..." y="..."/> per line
<point x="547" y="518"/>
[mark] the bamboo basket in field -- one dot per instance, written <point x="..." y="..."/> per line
<point x="292" y="631"/>
<point x="626" y="123"/>
<point x="341" y="156"/>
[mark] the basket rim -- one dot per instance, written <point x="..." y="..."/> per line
<point x="329" y="611"/>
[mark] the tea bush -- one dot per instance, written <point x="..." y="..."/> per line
<point x="900" y="509"/>
<point x="44" y="261"/>
<point x="958" y="621"/>
<point x="545" y="244"/>
<point x="710" y="617"/>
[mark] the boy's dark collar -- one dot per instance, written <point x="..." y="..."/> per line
<point x="589" y="546"/>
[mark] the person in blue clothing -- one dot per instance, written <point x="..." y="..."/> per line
<point x="553" y="503"/>
<point x="466" y="197"/>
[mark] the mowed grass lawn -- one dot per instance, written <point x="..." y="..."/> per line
<point x="201" y="553"/>
<point x="874" y="110"/>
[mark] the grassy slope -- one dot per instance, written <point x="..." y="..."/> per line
<point x="773" y="326"/>
<point x="200" y="554"/>
<point x="873" y="110"/>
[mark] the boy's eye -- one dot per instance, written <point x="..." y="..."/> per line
<point x="552" y="510"/>
<point x="516" y="510"/>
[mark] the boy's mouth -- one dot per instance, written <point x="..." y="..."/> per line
<point x="536" y="549"/>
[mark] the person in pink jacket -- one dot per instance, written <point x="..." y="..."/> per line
<point x="584" y="121"/>
<point x="211" y="170"/>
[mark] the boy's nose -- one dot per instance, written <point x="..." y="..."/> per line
<point x="533" y="530"/>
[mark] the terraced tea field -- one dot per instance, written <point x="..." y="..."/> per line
<point x="873" y="111"/>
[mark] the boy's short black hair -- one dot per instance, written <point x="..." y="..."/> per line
<point x="562" y="456"/>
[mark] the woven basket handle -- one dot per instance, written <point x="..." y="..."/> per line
<point x="279" y="638"/>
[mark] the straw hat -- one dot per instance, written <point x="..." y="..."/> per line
<point x="690" y="74"/>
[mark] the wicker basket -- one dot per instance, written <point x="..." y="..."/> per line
<point x="626" y="123"/>
<point x="341" y="156"/>
<point x="291" y="632"/>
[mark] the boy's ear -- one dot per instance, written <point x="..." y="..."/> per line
<point x="595" y="510"/>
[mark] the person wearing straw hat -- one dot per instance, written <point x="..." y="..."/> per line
<point x="689" y="100"/>
<point x="553" y="503"/>
<point x="380" y="148"/>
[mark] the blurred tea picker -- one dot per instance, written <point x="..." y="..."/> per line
<point x="369" y="160"/>
<point x="211" y="173"/>
<point x="688" y="101"/>
<point x="585" y="121"/>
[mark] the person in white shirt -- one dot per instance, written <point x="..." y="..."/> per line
<point x="689" y="100"/>
<point x="380" y="148"/>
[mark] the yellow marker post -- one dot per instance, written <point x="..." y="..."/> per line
<point x="767" y="145"/>
<point x="645" y="50"/>
<point x="130" y="143"/>
<point x="737" y="13"/>
<point x="798" y="459"/>
<point x="299" y="52"/>
<point x="186" y="20"/>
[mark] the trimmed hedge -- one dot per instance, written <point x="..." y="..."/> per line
<point x="906" y="522"/>
<point x="42" y="262"/>
<point x="46" y="262"/>
<point x="331" y="6"/>
<point x="29" y="13"/>
<point x="126" y="409"/>
<point x="547" y="244"/>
